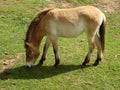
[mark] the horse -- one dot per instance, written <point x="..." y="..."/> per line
<point x="69" y="23"/>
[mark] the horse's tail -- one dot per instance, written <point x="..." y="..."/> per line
<point x="102" y="34"/>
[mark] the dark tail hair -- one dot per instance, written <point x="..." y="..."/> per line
<point x="102" y="35"/>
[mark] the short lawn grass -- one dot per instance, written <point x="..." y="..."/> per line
<point x="15" y="16"/>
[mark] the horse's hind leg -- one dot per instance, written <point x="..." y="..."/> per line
<point x="99" y="50"/>
<point x="45" y="49"/>
<point x="91" y="47"/>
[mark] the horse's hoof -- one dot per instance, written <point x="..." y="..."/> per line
<point x="40" y="63"/>
<point x="55" y="65"/>
<point x="96" y="64"/>
<point x="83" y="66"/>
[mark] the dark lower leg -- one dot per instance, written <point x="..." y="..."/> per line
<point x="86" y="61"/>
<point x="57" y="60"/>
<point x="42" y="60"/>
<point x="43" y="56"/>
<point x="99" y="58"/>
<point x="99" y="51"/>
<point x="97" y="61"/>
<point x="91" y="47"/>
<point x="45" y="49"/>
<point x="55" y="50"/>
<point x="87" y="58"/>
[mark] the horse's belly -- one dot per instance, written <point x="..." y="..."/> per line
<point x="68" y="30"/>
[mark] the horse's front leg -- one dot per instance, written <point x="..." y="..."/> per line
<point x="45" y="49"/>
<point x="55" y="49"/>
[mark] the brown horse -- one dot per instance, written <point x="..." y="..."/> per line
<point x="71" y="22"/>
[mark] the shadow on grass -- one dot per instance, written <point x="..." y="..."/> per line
<point x="37" y="72"/>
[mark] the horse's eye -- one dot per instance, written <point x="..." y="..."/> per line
<point x="29" y="53"/>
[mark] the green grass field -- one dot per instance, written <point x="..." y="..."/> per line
<point x="15" y="16"/>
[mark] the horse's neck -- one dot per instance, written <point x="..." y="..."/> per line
<point x="36" y="40"/>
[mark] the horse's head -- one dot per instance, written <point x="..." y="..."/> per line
<point x="32" y="53"/>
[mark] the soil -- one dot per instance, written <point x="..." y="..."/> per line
<point x="108" y="6"/>
<point x="8" y="63"/>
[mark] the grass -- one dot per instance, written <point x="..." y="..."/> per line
<point x="15" y="15"/>
<point x="14" y="19"/>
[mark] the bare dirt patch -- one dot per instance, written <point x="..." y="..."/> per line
<point x="60" y="4"/>
<point x="7" y="64"/>
<point x="105" y="5"/>
<point x="108" y="5"/>
<point x="118" y="37"/>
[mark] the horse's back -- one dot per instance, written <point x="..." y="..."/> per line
<point x="74" y="14"/>
<point x="71" y="22"/>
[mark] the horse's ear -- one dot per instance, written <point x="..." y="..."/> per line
<point x="29" y="45"/>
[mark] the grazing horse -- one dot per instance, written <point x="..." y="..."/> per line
<point x="55" y="22"/>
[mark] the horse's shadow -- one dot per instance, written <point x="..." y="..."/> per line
<point x="37" y="72"/>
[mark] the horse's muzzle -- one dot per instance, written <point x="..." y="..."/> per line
<point x="30" y="64"/>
